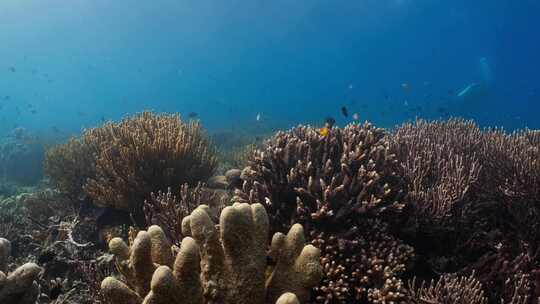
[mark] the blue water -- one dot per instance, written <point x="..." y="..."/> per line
<point x="67" y="65"/>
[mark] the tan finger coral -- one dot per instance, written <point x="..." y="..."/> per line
<point x="216" y="264"/>
<point x="20" y="286"/>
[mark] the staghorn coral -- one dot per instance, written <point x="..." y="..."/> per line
<point x="333" y="185"/>
<point x="449" y="289"/>
<point x="324" y="180"/>
<point x="508" y="279"/>
<point x="512" y="164"/>
<point x="441" y="164"/>
<point x="228" y="265"/>
<point x="364" y="267"/>
<point x="19" y="286"/>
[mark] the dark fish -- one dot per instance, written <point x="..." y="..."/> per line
<point x="7" y="97"/>
<point x="102" y="118"/>
<point x="192" y="115"/>
<point x="344" y="111"/>
<point x="386" y="97"/>
<point x="81" y="113"/>
<point x="442" y="110"/>
<point x="12" y="69"/>
<point x="329" y="122"/>
<point x="33" y="111"/>
<point x="55" y="129"/>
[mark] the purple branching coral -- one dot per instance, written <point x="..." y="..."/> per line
<point x="440" y="163"/>
<point x="449" y="289"/>
<point x="474" y="194"/>
<point x="339" y="187"/>
<point x="168" y="210"/>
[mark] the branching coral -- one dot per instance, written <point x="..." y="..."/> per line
<point x="146" y="153"/>
<point x="20" y="286"/>
<point x="332" y="185"/>
<point x="119" y="164"/>
<point x="228" y="265"/>
<point x="167" y="210"/>
<point x="449" y="289"/>
<point x="69" y="165"/>
<point x="440" y="162"/>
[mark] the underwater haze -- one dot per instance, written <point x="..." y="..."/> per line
<point x="264" y="65"/>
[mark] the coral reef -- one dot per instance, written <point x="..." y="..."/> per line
<point x="478" y="214"/>
<point x="69" y="165"/>
<point x="451" y="208"/>
<point x="19" y="286"/>
<point x="228" y="265"/>
<point x="119" y="164"/>
<point x="449" y="289"/>
<point x="168" y="210"/>
<point x="440" y="163"/>
<point x="335" y="186"/>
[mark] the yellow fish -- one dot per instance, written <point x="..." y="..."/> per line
<point x="324" y="131"/>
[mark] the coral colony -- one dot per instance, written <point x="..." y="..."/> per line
<point x="147" y="210"/>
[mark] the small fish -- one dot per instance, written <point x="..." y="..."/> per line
<point x="467" y="89"/>
<point x="344" y="111"/>
<point x="351" y="86"/>
<point x="12" y="69"/>
<point x="355" y="116"/>
<point x="55" y="129"/>
<point x="102" y="118"/>
<point x="405" y="86"/>
<point x="329" y="122"/>
<point x="7" y="97"/>
<point x="33" y="111"/>
<point x="406" y="103"/>
<point x="324" y="131"/>
<point x="192" y="115"/>
<point x="258" y="116"/>
<point x="80" y="113"/>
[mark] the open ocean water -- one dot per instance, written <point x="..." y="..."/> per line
<point x="67" y="65"/>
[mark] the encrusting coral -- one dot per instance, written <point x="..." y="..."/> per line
<point x="338" y="187"/>
<point x="223" y="265"/>
<point x="20" y="286"/>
